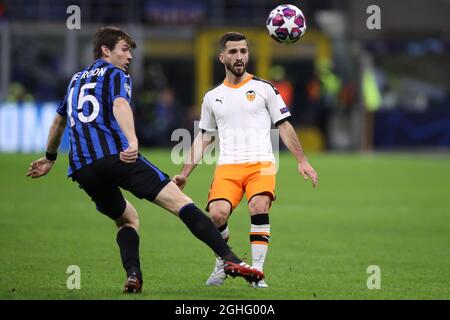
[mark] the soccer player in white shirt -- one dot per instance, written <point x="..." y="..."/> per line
<point x="242" y="109"/>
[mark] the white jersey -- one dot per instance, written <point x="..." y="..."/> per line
<point x="243" y="115"/>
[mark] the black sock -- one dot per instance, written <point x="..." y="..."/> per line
<point x="203" y="228"/>
<point x="128" y="241"/>
<point x="260" y="218"/>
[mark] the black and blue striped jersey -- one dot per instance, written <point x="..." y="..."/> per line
<point x="88" y="105"/>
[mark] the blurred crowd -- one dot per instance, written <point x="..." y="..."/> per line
<point x="152" y="12"/>
<point x="396" y="73"/>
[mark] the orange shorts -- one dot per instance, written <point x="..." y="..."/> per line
<point x="232" y="180"/>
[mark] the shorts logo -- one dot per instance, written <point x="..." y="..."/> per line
<point x="251" y="95"/>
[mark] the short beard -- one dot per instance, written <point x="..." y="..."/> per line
<point x="231" y="69"/>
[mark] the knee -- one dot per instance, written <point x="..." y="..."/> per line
<point x="219" y="216"/>
<point x="128" y="222"/>
<point x="129" y="218"/>
<point x="134" y="222"/>
<point x="183" y="200"/>
<point x="178" y="202"/>
<point x="259" y="205"/>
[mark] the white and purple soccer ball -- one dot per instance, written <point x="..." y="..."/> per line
<point x="286" y="24"/>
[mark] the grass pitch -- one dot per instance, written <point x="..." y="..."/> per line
<point x="388" y="210"/>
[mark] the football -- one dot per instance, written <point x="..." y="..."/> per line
<point x="286" y="24"/>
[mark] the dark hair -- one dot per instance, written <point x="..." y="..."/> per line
<point x="109" y="36"/>
<point x="230" y="36"/>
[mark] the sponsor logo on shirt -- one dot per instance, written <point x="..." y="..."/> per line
<point x="219" y="100"/>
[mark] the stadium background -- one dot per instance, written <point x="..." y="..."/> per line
<point x="372" y="109"/>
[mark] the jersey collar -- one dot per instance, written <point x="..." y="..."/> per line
<point x="235" y="86"/>
<point x="101" y="61"/>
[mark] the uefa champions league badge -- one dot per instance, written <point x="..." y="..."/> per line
<point x="127" y="89"/>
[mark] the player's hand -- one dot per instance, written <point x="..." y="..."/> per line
<point x="307" y="171"/>
<point x="39" y="168"/>
<point x="180" y="181"/>
<point x="130" y="154"/>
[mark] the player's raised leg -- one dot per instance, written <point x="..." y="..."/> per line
<point x="219" y="211"/>
<point x="259" y="232"/>
<point x="174" y="200"/>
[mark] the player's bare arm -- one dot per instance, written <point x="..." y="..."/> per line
<point x="124" y="116"/>
<point x="290" y="139"/>
<point x="42" y="166"/>
<point x="195" y="154"/>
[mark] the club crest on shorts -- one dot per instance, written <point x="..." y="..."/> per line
<point x="251" y="95"/>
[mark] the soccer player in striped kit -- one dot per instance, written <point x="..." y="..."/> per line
<point x="242" y="110"/>
<point x="104" y="157"/>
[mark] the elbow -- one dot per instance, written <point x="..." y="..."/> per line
<point x="120" y="102"/>
<point x="285" y="126"/>
<point x="283" y="123"/>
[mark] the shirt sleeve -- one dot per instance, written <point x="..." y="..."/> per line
<point x="62" y="107"/>
<point x="276" y="106"/>
<point x="207" y="119"/>
<point x="120" y="85"/>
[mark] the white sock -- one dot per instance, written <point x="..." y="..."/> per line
<point x="225" y="233"/>
<point x="259" y="238"/>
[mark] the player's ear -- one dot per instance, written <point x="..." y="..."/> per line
<point x="221" y="57"/>
<point x="105" y="51"/>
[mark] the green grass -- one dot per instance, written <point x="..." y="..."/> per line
<point x="387" y="210"/>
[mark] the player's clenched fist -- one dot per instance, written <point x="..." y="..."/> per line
<point x="130" y="154"/>
<point x="180" y="181"/>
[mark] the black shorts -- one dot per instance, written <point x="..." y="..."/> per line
<point x="102" y="178"/>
